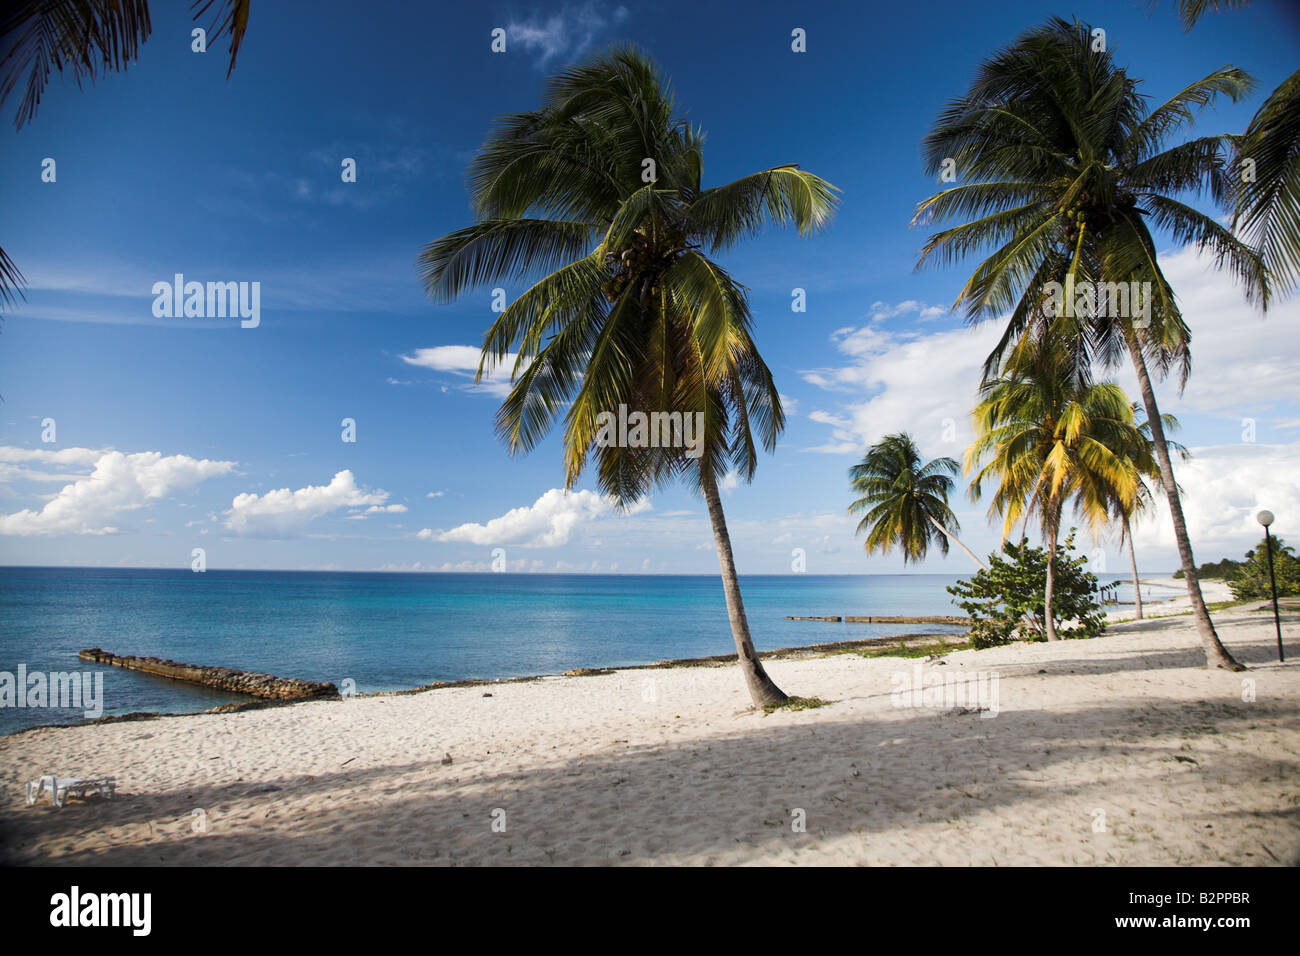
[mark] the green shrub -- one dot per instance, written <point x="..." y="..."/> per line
<point x="1005" y="602"/>
<point x="1251" y="578"/>
<point x="1211" y="570"/>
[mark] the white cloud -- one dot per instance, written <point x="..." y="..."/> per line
<point x="1223" y="488"/>
<point x="435" y="494"/>
<point x="914" y="383"/>
<point x="462" y="361"/>
<point x="547" y="522"/>
<point x="923" y="312"/>
<point x="730" y="482"/>
<point x="1242" y="361"/>
<point x="119" y="483"/>
<point x="15" y="462"/>
<point x="62" y="456"/>
<point x="283" y="512"/>
<point x="386" y="510"/>
<point x="564" y="34"/>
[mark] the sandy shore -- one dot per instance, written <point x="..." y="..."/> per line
<point x="1119" y="750"/>
<point x="1176" y="601"/>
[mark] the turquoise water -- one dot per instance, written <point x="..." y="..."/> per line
<point x="392" y="631"/>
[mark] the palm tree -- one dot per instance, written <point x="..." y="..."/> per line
<point x="85" y="38"/>
<point x="1063" y="174"/>
<point x="1267" y="207"/>
<point x="1045" y="435"/>
<point x="1267" y="202"/>
<point x="600" y="191"/>
<point x="1189" y="11"/>
<point x="904" y="502"/>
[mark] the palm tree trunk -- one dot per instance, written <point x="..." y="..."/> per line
<point x="957" y="541"/>
<point x="1132" y="559"/>
<point x="1049" y="619"/>
<point x="762" y="690"/>
<point x="1216" y="655"/>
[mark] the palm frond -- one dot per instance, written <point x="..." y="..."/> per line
<point x="83" y="37"/>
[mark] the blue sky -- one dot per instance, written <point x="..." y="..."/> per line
<point x="173" y="434"/>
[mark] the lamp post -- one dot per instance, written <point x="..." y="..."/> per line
<point x="1266" y="518"/>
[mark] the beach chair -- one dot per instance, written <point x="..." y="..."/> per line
<point x="61" y="787"/>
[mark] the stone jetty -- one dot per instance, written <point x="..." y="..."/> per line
<point x="265" y="686"/>
<point x="887" y="619"/>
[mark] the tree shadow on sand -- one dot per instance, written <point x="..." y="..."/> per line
<point x="887" y="782"/>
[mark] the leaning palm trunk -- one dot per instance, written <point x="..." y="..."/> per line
<point x="762" y="690"/>
<point x="1216" y="655"/>
<point x="957" y="541"/>
<point x="1132" y="559"/>
<point x="1049" y="619"/>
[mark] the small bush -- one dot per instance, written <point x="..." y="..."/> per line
<point x="1005" y="602"/>
<point x="1250" y="580"/>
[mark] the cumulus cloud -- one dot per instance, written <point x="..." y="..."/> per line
<point x="1223" y="488"/>
<point x="462" y="361"/>
<point x="40" y="464"/>
<point x="547" y="522"/>
<point x="924" y="384"/>
<point x="1243" y="363"/>
<point x="282" y="513"/>
<point x="564" y="34"/>
<point x="923" y="312"/>
<point x="118" y="483"/>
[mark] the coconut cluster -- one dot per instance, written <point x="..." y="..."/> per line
<point x="1089" y="211"/>
<point x="640" y="264"/>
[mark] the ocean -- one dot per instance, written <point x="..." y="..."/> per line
<point x="395" y="631"/>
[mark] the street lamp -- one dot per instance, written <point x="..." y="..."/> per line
<point x="1266" y="518"/>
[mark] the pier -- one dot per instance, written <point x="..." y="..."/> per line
<point x="264" y="686"/>
<point x="886" y="619"/>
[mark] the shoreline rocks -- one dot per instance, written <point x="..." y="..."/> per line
<point x="888" y="619"/>
<point x="263" y="686"/>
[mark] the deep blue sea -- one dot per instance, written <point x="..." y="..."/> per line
<point x="393" y="631"/>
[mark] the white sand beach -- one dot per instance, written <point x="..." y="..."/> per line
<point x="1120" y="750"/>
<point x="1170" y="598"/>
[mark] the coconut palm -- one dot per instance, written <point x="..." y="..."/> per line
<point x="1189" y="11"/>
<point x="1266" y="168"/>
<point x="599" y="192"/>
<point x="1064" y="172"/>
<point x="1044" y="436"/>
<point x="85" y="38"/>
<point x="904" y="503"/>
<point x="1267" y="207"/>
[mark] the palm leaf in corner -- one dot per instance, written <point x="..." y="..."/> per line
<point x="11" y="282"/>
<point x="83" y="37"/>
<point x="232" y="18"/>
<point x="1268" y="204"/>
